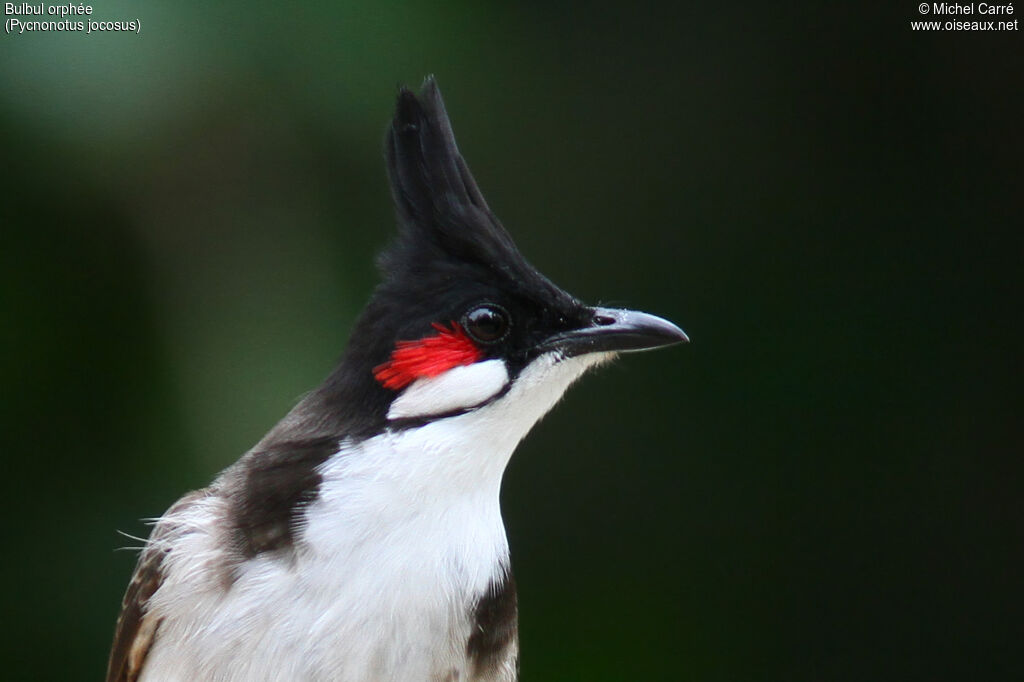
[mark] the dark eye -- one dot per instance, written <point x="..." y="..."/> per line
<point x="487" y="323"/>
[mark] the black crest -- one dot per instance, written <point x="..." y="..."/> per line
<point x="442" y="214"/>
<point x="451" y="250"/>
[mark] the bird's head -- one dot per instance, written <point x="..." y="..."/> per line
<point x="461" y="319"/>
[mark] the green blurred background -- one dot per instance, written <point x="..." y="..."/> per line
<point x="824" y="485"/>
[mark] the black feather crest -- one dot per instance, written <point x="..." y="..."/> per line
<point x="441" y="210"/>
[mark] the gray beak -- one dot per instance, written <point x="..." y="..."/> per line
<point x="617" y="330"/>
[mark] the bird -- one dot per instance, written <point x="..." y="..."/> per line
<point x="361" y="539"/>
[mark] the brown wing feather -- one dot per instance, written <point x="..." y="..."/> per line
<point x="136" y="629"/>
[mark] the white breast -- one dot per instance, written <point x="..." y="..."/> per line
<point x="404" y="536"/>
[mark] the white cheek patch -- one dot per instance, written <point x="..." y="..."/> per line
<point x="459" y="388"/>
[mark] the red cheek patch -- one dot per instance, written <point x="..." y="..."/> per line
<point x="427" y="357"/>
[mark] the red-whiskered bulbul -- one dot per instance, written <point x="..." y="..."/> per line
<point x="361" y="539"/>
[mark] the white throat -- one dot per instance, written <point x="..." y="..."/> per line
<point x="412" y="516"/>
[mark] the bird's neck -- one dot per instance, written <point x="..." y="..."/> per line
<point x="419" y="504"/>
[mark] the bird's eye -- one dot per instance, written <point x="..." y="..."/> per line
<point x="487" y="323"/>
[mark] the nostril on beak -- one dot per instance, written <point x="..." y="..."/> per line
<point x="603" y="320"/>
